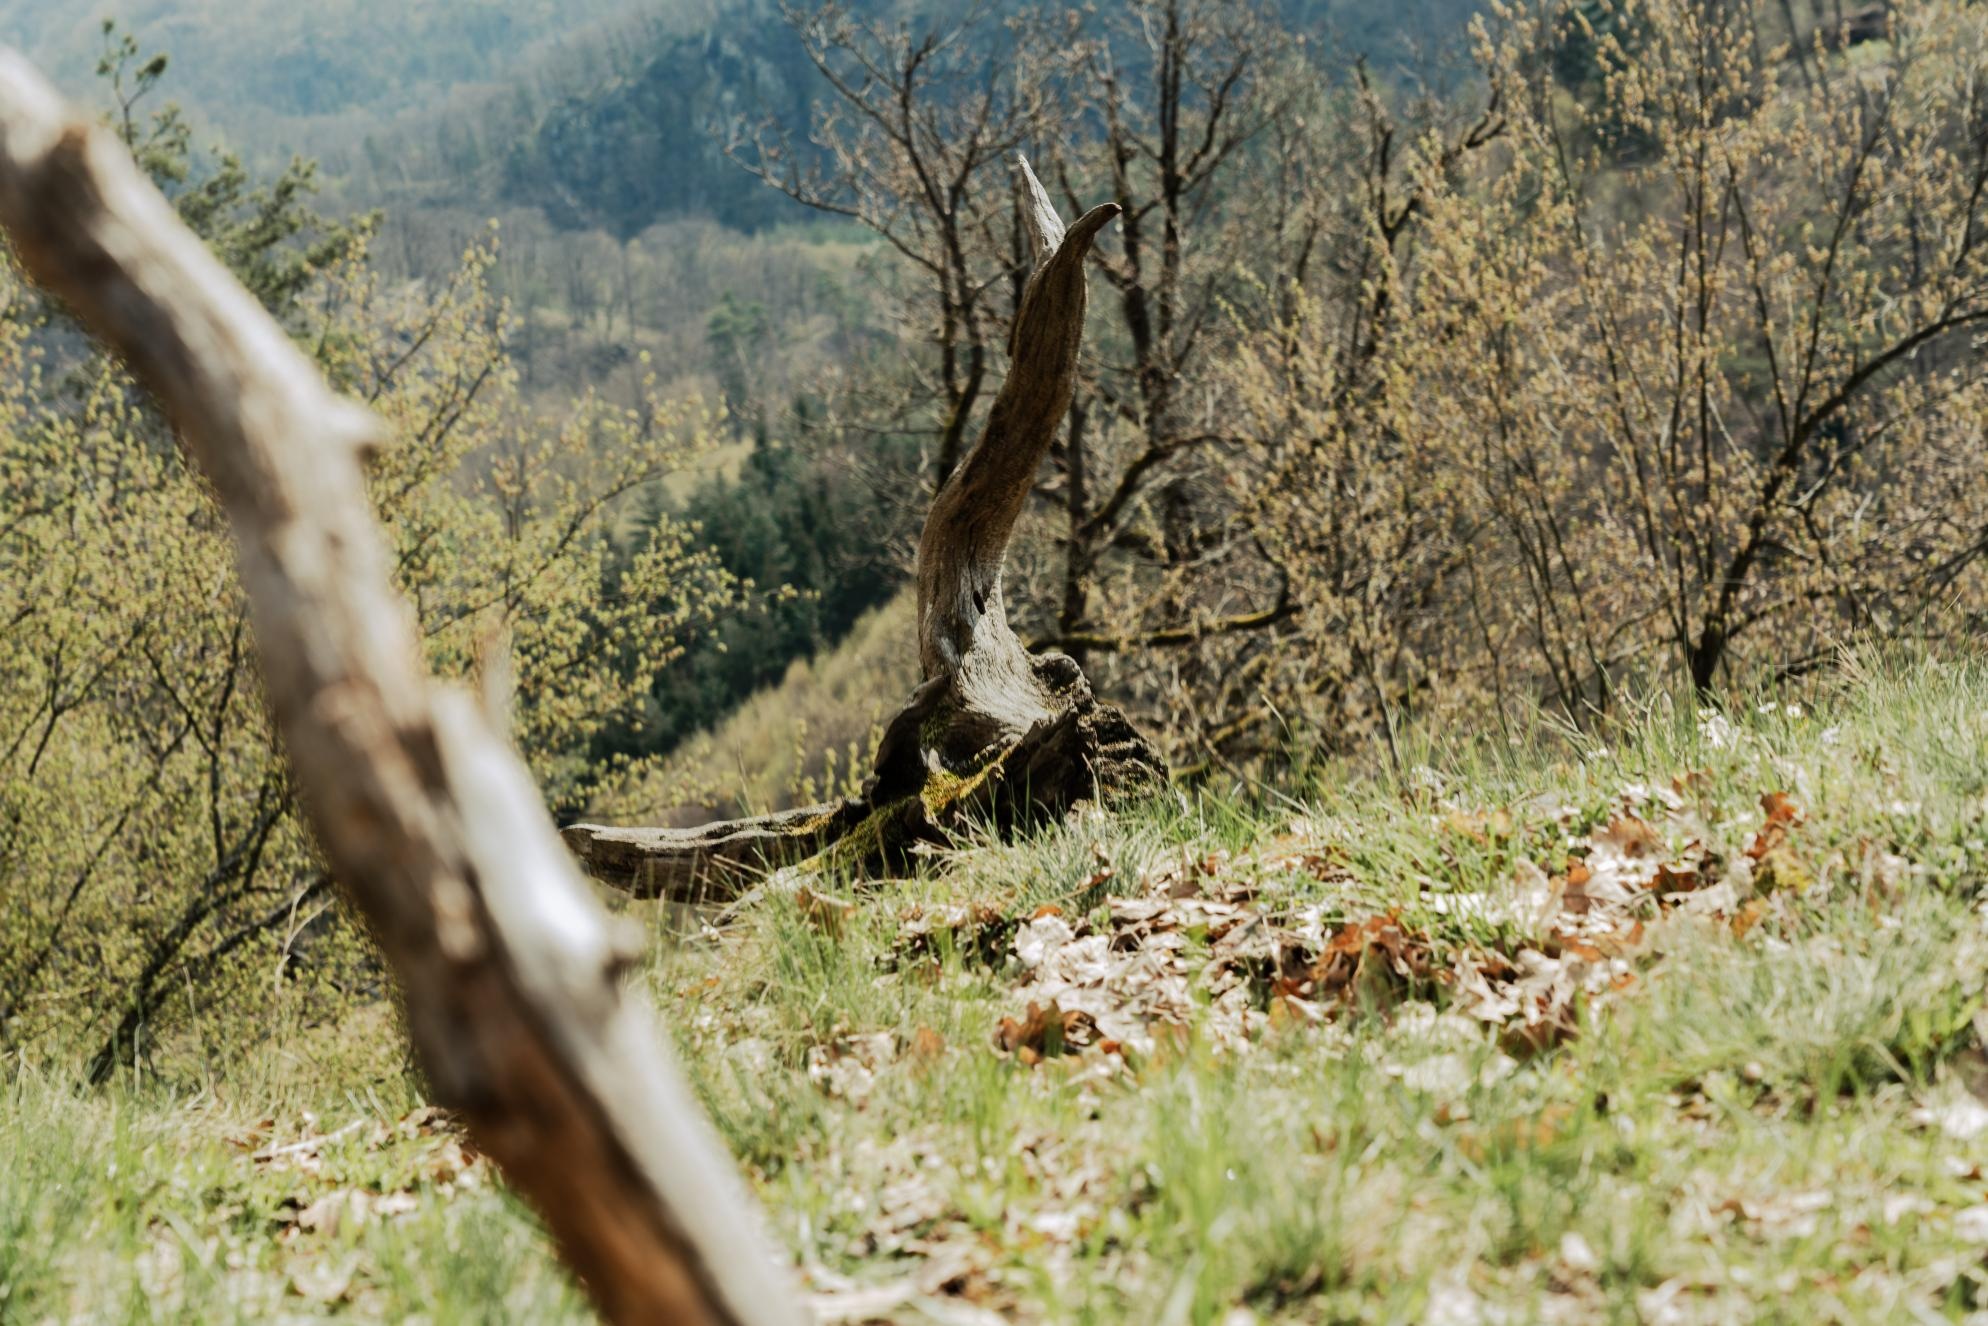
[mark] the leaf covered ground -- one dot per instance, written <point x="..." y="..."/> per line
<point x="1679" y="1023"/>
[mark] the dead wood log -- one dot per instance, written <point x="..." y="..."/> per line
<point x="509" y="965"/>
<point x="993" y="733"/>
<point x="712" y="862"/>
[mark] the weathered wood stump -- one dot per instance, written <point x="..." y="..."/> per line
<point x="993" y="734"/>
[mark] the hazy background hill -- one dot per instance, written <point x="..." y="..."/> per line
<point x="277" y="76"/>
<point x="604" y="113"/>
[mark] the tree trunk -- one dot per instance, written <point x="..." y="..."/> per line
<point x="993" y="732"/>
<point x="509" y="965"/>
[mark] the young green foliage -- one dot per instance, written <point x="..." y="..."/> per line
<point x="158" y="877"/>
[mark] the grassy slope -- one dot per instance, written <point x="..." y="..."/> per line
<point x="1761" y="1113"/>
<point x="798" y="742"/>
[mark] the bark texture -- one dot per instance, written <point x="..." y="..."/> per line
<point x="509" y="965"/>
<point x="993" y="732"/>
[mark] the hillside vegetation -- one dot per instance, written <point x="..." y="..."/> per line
<point x="1421" y="442"/>
<point x="1533" y="516"/>
<point x="1679" y="1022"/>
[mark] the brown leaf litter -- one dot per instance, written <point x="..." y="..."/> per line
<point x="1200" y="948"/>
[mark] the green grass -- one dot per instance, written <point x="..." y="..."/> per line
<point x="1760" y="1109"/>
<point x="149" y="1204"/>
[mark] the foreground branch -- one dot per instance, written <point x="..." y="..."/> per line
<point x="509" y="966"/>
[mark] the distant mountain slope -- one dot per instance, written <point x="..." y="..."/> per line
<point x="642" y="143"/>
<point x="646" y="144"/>
<point x="605" y="113"/>
<point x="276" y="75"/>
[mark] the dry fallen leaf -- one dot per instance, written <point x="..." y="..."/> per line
<point x="322" y="1280"/>
<point x="846" y="1067"/>
<point x="1971" y="1224"/>
<point x="1045" y="1031"/>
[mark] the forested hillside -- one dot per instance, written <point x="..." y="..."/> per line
<point x="633" y="132"/>
<point x="689" y="205"/>
<point x="635" y="241"/>
<point x="598" y="133"/>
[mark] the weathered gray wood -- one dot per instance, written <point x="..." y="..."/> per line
<point x="509" y="965"/>
<point x="992" y="731"/>
<point x="713" y="863"/>
<point x="962" y="624"/>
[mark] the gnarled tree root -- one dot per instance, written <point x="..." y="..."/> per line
<point x="1083" y="751"/>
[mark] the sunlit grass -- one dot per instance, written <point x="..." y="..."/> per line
<point x="1772" y="1123"/>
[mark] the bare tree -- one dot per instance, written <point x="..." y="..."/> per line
<point x="912" y="143"/>
<point x="1170" y="99"/>
<point x="1181" y="90"/>
<point x="430" y="821"/>
<point x="1777" y="420"/>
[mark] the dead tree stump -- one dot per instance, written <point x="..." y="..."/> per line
<point x="993" y="733"/>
